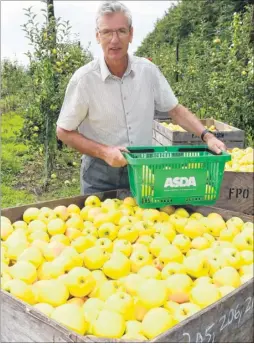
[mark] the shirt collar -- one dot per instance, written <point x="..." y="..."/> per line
<point x="105" y="72"/>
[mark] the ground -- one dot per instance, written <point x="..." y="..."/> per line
<point x="22" y="169"/>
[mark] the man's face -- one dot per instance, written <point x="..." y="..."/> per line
<point x="114" y="44"/>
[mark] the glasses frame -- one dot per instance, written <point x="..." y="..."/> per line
<point x="111" y="33"/>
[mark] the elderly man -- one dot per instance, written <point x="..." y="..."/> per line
<point x="110" y="103"/>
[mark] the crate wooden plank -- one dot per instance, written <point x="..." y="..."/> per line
<point x="232" y="138"/>
<point x="237" y="192"/>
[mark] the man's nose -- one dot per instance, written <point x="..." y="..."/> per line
<point x="115" y="37"/>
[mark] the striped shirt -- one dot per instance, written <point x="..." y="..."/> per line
<point x="116" y="111"/>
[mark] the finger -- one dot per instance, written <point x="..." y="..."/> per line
<point x="216" y="149"/>
<point x="123" y="149"/>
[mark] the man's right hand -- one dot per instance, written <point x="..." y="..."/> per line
<point x="114" y="157"/>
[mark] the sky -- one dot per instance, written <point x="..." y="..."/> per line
<point x="81" y="15"/>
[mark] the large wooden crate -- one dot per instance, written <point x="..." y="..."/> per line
<point x="231" y="136"/>
<point x="228" y="320"/>
<point x="237" y="192"/>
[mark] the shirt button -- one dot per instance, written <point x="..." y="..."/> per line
<point x="127" y="113"/>
<point x="124" y="98"/>
<point x="129" y="127"/>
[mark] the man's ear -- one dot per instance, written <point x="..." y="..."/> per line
<point x="97" y="37"/>
<point x="131" y="34"/>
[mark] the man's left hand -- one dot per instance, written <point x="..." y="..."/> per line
<point x="214" y="144"/>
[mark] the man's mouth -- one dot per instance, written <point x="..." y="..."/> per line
<point x="115" y="49"/>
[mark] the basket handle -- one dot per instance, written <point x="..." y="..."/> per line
<point x="201" y="149"/>
<point x="142" y="150"/>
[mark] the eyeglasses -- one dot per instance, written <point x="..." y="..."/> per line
<point x="108" y="34"/>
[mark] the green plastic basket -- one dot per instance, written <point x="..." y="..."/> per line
<point x="175" y="175"/>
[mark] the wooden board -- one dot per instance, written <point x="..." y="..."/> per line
<point x="228" y="320"/>
<point x="237" y="192"/>
<point x="233" y="138"/>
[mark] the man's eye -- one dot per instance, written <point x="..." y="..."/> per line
<point x="122" y="30"/>
<point x="105" y="32"/>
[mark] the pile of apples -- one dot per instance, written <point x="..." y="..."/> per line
<point x="176" y="127"/>
<point x="114" y="270"/>
<point x="242" y="160"/>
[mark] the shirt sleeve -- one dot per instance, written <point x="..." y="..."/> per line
<point x="164" y="97"/>
<point x="75" y="106"/>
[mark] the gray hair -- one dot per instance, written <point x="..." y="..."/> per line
<point x="107" y="7"/>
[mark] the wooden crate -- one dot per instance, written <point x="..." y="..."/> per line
<point x="165" y="136"/>
<point x="228" y="320"/>
<point x="237" y="192"/>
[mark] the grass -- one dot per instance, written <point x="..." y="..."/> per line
<point x="22" y="169"/>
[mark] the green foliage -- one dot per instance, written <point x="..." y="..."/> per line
<point x="54" y="59"/>
<point x="213" y="74"/>
<point x="22" y="172"/>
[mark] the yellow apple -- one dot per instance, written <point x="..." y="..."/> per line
<point x="46" y="214"/>
<point x="30" y="214"/>
<point x="157" y="244"/>
<point x="80" y="282"/>
<point x="56" y="226"/>
<point x="130" y="201"/>
<point x="94" y="258"/>
<point x="178" y="287"/>
<point x="129" y="233"/>
<point x="204" y="297"/>
<point x="228" y="234"/>
<point x="107" y="230"/>
<point x="53" y="292"/>
<point x="105" y="244"/>
<point x="45" y="308"/>
<point x="24" y="271"/>
<point x="21" y="290"/>
<point x="164" y="321"/>
<point x="193" y="229"/>
<point x="82" y="243"/>
<point x="72" y="233"/>
<point x="108" y="288"/>
<point x="182" y="212"/>
<point x="182" y="242"/>
<point x="247" y="257"/>
<point x="225" y="290"/>
<point x="93" y="201"/>
<point x="52" y="250"/>
<point x="123" y="246"/>
<point x="109" y="324"/>
<point x="171" y="269"/>
<point x="50" y="270"/>
<point x="71" y="316"/>
<point x="32" y="255"/>
<point x="60" y="238"/>
<point x="166" y="229"/>
<point x="202" y="280"/>
<point x="196" y="266"/>
<point x="152" y="293"/>
<point x="149" y="271"/>
<point x="233" y="257"/>
<point x="168" y="209"/>
<point x="121" y="303"/>
<point x="186" y="310"/>
<point x="227" y="276"/>
<point x="6" y="230"/>
<point x="169" y="254"/>
<point x="200" y="243"/>
<point x="117" y="266"/>
<point x="75" y="221"/>
<point x="196" y="216"/>
<point x="179" y="223"/>
<point x="132" y="282"/>
<point x="140" y="258"/>
<point x="246" y="269"/>
<point x="69" y="258"/>
<point x="61" y="212"/>
<point x="235" y="222"/>
<point x="40" y="235"/>
<point x="243" y="242"/>
<point x="73" y="209"/>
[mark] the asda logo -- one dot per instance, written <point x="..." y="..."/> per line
<point x="180" y="182"/>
